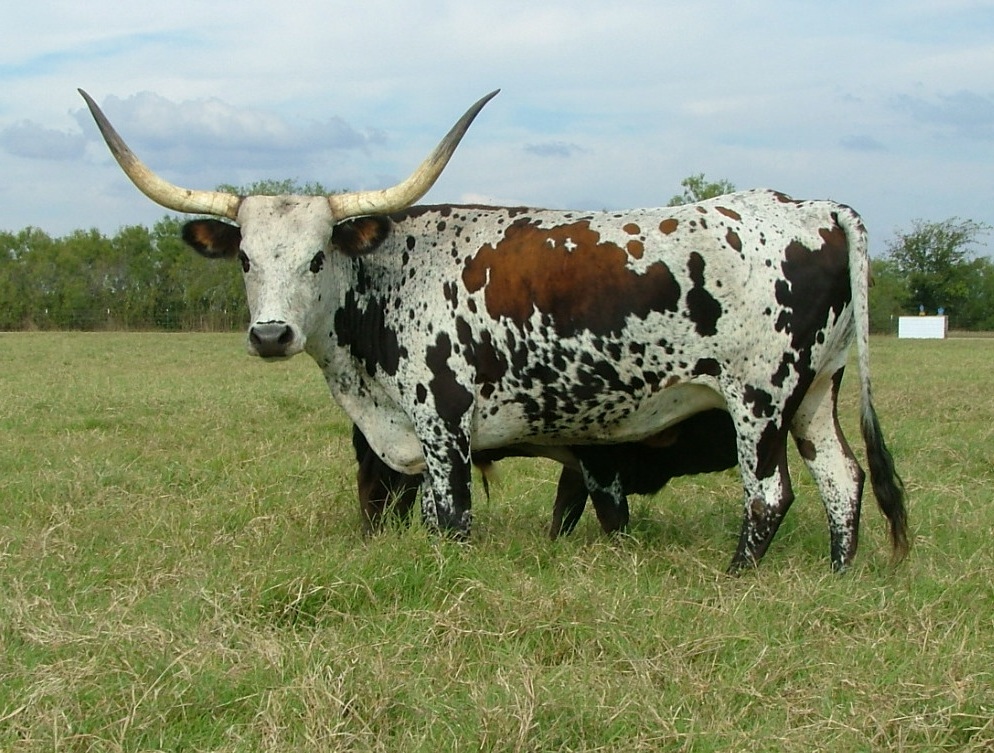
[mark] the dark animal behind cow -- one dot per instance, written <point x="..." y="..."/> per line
<point x="703" y="443"/>
<point x="447" y="330"/>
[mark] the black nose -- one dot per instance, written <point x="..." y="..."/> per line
<point x="272" y="339"/>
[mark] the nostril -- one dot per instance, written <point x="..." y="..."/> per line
<point x="286" y="337"/>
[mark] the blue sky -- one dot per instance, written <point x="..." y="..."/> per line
<point x="886" y="106"/>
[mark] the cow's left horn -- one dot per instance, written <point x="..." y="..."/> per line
<point x="406" y="193"/>
<point x="158" y="190"/>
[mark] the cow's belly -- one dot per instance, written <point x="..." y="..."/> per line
<point x="616" y="418"/>
<point x="554" y="416"/>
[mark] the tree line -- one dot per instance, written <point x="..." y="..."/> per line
<point x="139" y="278"/>
<point x="147" y="278"/>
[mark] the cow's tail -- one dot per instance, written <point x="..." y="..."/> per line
<point x="488" y="474"/>
<point x="887" y="485"/>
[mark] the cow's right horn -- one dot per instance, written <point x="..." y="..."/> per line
<point x="158" y="190"/>
<point x="404" y="194"/>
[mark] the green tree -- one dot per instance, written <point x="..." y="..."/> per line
<point x="697" y="188"/>
<point x="978" y="308"/>
<point x="273" y="187"/>
<point x="888" y="293"/>
<point x="935" y="258"/>
<point x="203" y="294"/>
<point x="18" y="291"/>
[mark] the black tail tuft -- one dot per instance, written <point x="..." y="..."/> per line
<point x="887" y="485"/>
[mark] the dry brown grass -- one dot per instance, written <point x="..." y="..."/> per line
<point x="181" y="568"/>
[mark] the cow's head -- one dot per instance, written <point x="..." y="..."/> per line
<point x="282" y="242"/>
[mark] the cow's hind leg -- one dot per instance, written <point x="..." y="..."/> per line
<point x="832" y="464"/>
<point x="768" y="493"/>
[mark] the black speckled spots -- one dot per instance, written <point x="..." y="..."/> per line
<point x="450" y="290"/>
<point x="452" y="400"/>
<point x="361" y="328"/>
<point x="761" y="401"/>
<point x="533" y="326"/>
<point x="781" y="374"/>
<point x="452" y="403"/>
<point x="707" y="367"/>
<point x="702" y="307"/>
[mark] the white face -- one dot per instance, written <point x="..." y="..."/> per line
<point x="284" y="253"/>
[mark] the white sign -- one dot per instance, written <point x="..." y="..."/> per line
<point x="922" y="327"/>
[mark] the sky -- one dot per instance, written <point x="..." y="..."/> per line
<point x="887" y="106"/>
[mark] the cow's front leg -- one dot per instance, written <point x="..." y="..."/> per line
<point x="442" y="419"/>
<point x="446" y="502"/>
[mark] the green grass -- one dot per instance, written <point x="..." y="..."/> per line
<point x="182" y="569"/>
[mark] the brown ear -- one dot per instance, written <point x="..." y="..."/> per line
<point x="213" y="238"/>
<point x="360" y="236"/>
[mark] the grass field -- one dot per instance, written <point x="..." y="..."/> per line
<point x="182" y="569"/>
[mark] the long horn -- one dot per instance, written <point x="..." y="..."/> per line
<point x="158" y="190"/>
<point x="406" y="193"/>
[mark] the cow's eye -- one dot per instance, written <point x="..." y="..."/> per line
<point x="244" y="260"/>
<point x="317" y="262"/>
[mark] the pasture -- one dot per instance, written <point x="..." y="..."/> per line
<point x="182" y="568"/>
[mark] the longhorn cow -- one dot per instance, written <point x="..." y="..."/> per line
<point x="443" y="330"/>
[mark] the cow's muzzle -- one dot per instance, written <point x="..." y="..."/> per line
<point x="272" y="340"/>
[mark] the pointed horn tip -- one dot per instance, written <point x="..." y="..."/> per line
<point x="487" y="97"/>
<point x="91" y="103"/>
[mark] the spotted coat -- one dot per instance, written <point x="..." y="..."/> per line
<point x="446" y="329"/>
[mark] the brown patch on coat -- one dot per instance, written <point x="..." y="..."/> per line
<point x="635" y="248"/>
<point x="733" y="240"/>
<point x="568" y="273"/>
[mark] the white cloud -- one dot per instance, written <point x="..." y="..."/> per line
<point x="30" y="140"/>
<point x="556" y="149"/>
<point x="603" y="105"/>
<point x="967" y="113"/>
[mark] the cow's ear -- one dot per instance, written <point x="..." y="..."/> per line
<point x="213" y="238"/>
<point x="360" y="236"/>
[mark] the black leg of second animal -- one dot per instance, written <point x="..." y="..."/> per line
<point x="571" y="498"/>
